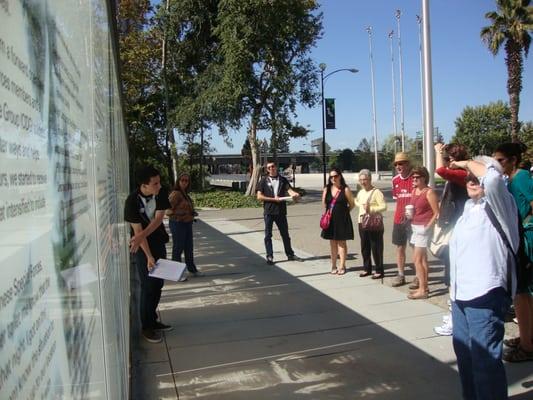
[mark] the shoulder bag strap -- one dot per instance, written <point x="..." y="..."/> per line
<point x="370" y="196"/>
<point x="494" y="220"/>
<point x="334" y="200"/>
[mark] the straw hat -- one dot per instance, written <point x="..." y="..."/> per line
<point x="401" y="157"/>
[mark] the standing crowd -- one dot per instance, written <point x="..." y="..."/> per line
<point x="481" y="228"/>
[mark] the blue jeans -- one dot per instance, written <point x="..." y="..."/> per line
<point x="182" y="242"/>
<point x="150" y="287"/>
<point x="478" y="329"/>
<point x="283" y="226"/>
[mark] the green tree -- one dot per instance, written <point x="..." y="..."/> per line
<point x="139" y="53"/>
<point x="346" y="160"/>
<point x="511" y="26"/>
<point x="482" y="128"/>
<point x="526" y="137"/>
<point x="266" y="68"/>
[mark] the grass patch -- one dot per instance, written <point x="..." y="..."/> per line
<point x="224" y="199"/>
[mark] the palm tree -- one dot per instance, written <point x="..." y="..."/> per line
<point x="511" y="26"/>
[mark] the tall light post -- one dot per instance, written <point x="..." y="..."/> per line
<point x="428" y="92"/>
<point x="419" y="21"/>
<point x="394" y="117"/>
<point x="402" y="122"/>
<point x="374" y="122"/>
<point x="323" y="67"/>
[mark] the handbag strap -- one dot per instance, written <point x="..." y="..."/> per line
<point x="334" y="200"/>
<point x="494" y="220"/>
<point x="370" y="196"/>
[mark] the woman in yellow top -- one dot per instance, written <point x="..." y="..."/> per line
<point x="370" y="200"/>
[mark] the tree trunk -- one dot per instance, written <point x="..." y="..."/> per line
<point x="256" y="165"/>
<point x="169" y="131"/>
<point x="514" y="83"/>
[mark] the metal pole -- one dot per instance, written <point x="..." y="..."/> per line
<point x="394" y="117"/>
<point x="428" y="93"/>
<point x="322" y="68"/>
<point x="202" y="158"/>
<point x="374" y="123"/>
<point x="402" y="124"/>
<point x="424" y="144"/>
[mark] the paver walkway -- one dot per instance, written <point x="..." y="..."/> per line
<point x="293" y="331"/>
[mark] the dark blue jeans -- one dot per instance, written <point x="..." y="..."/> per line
<point x="182" y="242"/>
<point x="150" y="287"/>
<point x="478" y="329"/>
<point x="283" y="226"/>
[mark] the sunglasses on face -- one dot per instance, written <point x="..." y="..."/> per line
<point x="333" y="176"/>
<point x="400" y="163"/>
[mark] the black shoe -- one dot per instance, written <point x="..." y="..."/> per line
<point x="294" y="258"/>
<point x="151" y="336"/>
<point x="197" y="274"/>
<point x="270" y="260"/>
<point x="159" y="326"/>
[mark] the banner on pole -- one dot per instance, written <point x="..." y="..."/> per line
<point x="330" y="113"/>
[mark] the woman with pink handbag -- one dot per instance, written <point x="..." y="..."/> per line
<point x="337" y="200"/>
<point x="371" y="203"/>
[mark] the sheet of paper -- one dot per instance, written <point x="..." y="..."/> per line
<point x="287" y="198"/>
<point x="168" y="269"/>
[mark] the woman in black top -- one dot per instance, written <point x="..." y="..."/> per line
<point x="340" y="228"/>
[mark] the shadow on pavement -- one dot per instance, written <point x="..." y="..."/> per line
<point x="251" y="331"/>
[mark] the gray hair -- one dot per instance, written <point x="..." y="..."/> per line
<point x="365" y="172"/>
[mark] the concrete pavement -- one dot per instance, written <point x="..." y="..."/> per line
<point x="292" y="330"/>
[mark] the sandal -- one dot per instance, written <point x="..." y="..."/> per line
<point x="517" y="354"/>
<point x="341" y="271"/>
<point x="364" y="273"/>
<point x="334" y="271"/>
<point x="415" y="284"/>
<point x="414" y="296"/>
<point x="513" y="342"/>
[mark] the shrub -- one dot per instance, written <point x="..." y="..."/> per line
<point x="223" y="199"/>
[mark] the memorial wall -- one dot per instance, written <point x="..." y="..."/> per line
<point x="64" y="293"/>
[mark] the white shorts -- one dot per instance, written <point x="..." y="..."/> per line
<point x="420" y="236"/>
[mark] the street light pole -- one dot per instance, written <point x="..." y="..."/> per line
<point x="322" y="68"/>
<point x="428" y="92"/>
<point x="374" y="123"/>
<point x="394" y="117"/>
<point x="402" y="124"/>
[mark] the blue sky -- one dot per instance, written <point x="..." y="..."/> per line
<point x="465" y="73"/>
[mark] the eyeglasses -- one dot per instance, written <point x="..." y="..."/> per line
<point x="400" y="163"/>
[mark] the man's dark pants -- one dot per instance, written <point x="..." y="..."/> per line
<point x="150" y="287"/>
<point x="283" y="226"/>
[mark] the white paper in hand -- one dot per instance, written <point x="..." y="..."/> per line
<point x="286" y="198"/>
<point x="168" y="269"/>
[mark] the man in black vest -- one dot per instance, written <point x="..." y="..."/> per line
<point x="272" y="189"/>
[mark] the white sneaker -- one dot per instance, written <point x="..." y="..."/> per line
<point x="446" y="329"/>
<point x="446" y="318"/>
